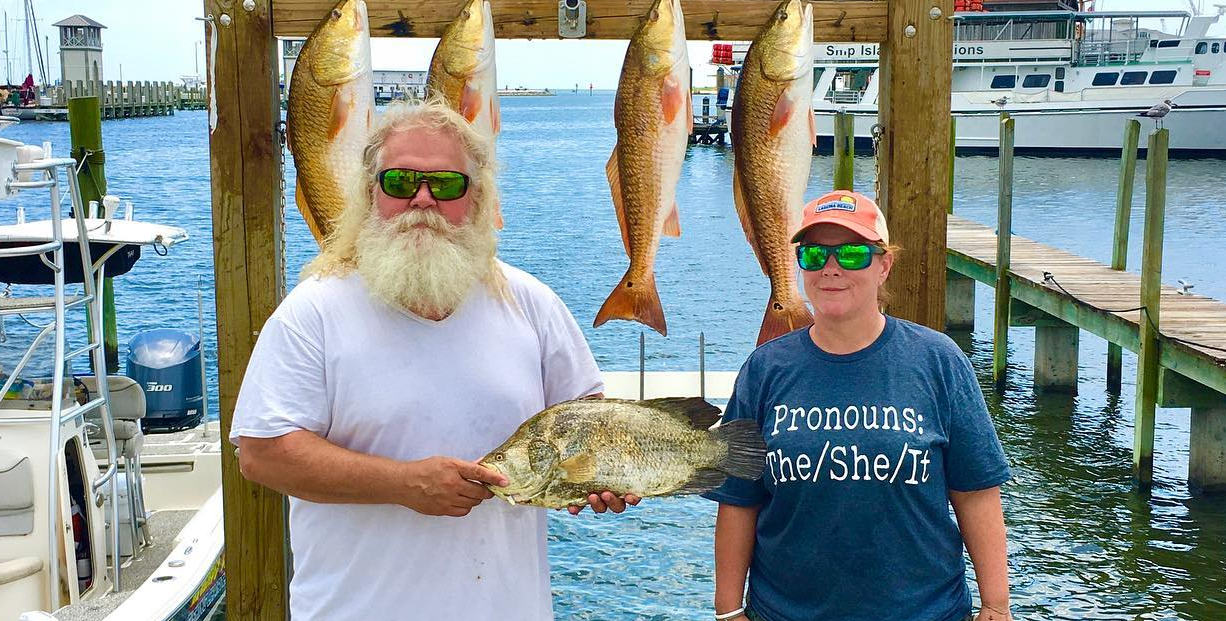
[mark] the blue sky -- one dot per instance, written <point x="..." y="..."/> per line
<point x="158" y="40"/>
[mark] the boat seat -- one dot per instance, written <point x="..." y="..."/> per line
<point x="16" y="494"/>
<point x="18" y="568"/>
<point x="127" y="408"/>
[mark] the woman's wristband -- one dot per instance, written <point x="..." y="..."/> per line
<point x="1006" y="616"/>
<point x="730" y="615"/>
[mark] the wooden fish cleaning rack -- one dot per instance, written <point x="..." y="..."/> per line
<point x="916" y="60"/>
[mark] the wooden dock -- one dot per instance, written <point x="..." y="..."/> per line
<point x="1083" y="294"/>
<point x="119" y="100"/>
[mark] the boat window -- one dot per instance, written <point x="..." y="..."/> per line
<point x="1162" y="77"/>
<point x="1169" y="43"/>
<point x="1106" y="79"/>
<point x="1133" y="77"/>
<point x="1215" y="47"/>
<point x="1059" y="73"/>
<point x="1004" y="81"/>
<point x="1037" y="80"/>
<point x="1202" y="48"/>
<point x="1153" y="43"/>
<point x="1059" y="86"/>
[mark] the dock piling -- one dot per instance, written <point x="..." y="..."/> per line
<point x="85" y="134"/>
<point x="953" y="135"/>
<point x="1151" y="289"/>
<point x="1004" y="233"/>
<point x="959" y="302"/>
<point x="844" y="150"/>
<point x="1119" y="252"/>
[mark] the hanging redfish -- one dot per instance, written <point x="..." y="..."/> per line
<point x="653" y="114"/>
<point x="462" y="70"/>
<point x="331" y="101"/>
<point x="773" y="137"/>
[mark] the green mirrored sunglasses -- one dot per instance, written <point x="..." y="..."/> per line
<point x="445" y="185"/>
<point x="812" y="257"/>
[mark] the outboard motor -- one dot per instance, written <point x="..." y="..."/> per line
<point x="167" y="364"/>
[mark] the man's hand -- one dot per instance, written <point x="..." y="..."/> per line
<point x="606" y="501"/>
<point x="447" y="486"/>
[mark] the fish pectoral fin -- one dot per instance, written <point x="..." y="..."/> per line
<point x="470" y="102"/>
<point x="579" y="468"/>
<point x="496" y="114"/>
<point x="704" y="480"/>
<point x="782" y="114"/>
<point x="689" y="113"/>
<point x="672" y="98"/>
<point x="342" y="105"/>
<point x="672" y="223"/>
<point x="615" y="188"/>
<point x="813" y="130"/>
<point x="742" y="211"/>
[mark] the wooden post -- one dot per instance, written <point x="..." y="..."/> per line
<point x="1119" y="252"/>
<point x="959" y="302"/>
<point x="1004" y="237"/>
<point x="1055" y="357"/>
<point x="844" y="151"/>
<point x="245" y="165"/>
<point x="1207" y="454"/>
<point x="953" y="141"/>
<point x="916" y="69"/>
<point x="1151" y="289"/>
<point x="85" y="133"/>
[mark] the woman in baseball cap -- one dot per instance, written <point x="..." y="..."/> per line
<point x="874" y="427"/>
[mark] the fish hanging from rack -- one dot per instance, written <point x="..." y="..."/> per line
<point x="331" y="102"/>
<point x="773" y="135"/>
<point x="463" y="72"/>
<point x="653" y="113"/>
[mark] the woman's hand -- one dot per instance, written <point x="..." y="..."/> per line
<point x="606" y="501"/>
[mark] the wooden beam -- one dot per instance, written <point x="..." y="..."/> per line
<point x="916" y="70"/>
<point x="1151" y="288"/>
<point x="725" y="20"/>
<point x="245" y="164"/>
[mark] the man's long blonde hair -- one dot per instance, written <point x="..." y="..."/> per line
<point x="340" y="248"/>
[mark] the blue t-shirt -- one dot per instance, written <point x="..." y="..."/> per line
<point x="862" y="449"/>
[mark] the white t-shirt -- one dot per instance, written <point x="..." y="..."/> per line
<point x="364" y="376"/>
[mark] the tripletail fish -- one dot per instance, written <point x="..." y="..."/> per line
<point x="658" y="447"/>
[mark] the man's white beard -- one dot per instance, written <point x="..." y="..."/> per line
<point x="428" y="270"/>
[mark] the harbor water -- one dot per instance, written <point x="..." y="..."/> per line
<point x="1083" y="544"/>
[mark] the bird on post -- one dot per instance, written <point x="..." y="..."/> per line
<point x="1158" y="111"/>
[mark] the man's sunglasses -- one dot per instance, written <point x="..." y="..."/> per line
<point x="813" y="257"/>
<point x="445" y="185"/>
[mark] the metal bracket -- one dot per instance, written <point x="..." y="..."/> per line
<point x="572" y="19"/>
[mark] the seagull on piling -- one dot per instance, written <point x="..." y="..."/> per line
<point x="1158" y="111"/>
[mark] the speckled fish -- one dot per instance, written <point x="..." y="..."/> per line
<point x="648" y="448"/>
<point x="653" y="113"/>
<point x="773" y="137"/>
<point x="462" y="70"/>
<point x="331" y="101"/>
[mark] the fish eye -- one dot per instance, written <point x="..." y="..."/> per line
<point x="336" y="13"/>
<point x="499" y="457"/>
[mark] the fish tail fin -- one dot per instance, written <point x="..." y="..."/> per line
<point x="783" y="316"/>
<point x="746" y="456"/>
<point x="634" y="300"/>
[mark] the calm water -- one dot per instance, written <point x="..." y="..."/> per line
<point x="1083" y="544"/>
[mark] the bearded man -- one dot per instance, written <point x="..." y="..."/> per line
<point x="407" y="352"/>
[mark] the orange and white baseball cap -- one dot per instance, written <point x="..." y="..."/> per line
<point x="850" y="210"/>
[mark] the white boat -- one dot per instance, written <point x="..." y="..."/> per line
<point x="98" y="518"/>
<point x="1069" y="79"/>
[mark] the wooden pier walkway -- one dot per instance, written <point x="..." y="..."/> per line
<point x="1059" y="293"/>
<point x="1090" y="287"/>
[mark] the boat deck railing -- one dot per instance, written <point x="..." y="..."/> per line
<point x="45" y="172"/>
